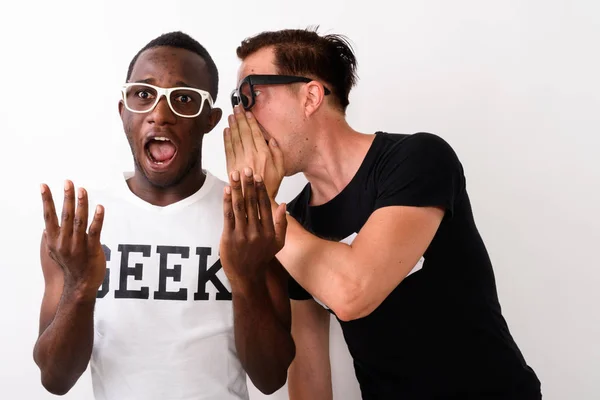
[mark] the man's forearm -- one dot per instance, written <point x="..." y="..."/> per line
<point x="63" y="350"/>
<point x="264" y="342"/>
<point x="324" y="268"/>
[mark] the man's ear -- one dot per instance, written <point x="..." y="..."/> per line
<point x="315" y="94"/>
<point x="121" y="108"/>
<point x="213" y="118"/>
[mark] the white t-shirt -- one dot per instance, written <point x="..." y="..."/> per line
<point x="163" y="318"/>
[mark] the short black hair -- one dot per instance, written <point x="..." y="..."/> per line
<point x="182" y="40"/>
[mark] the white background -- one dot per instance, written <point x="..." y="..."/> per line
<point x="512" y="85"/>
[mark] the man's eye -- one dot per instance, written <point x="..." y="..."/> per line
<point x="184" y="98"/>
<point x="143" y="94"/>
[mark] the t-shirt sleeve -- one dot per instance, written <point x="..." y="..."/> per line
<point x="297" y="292"/>
<point x="421" y="170"/>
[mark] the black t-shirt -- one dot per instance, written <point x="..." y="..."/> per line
<point x="440" y="334"/>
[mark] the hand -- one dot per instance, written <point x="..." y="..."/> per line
<point x="78" y="253"/>
<point x="245" y="146"/>
<point x="252" y="233"/>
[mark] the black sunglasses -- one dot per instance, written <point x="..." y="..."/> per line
<point x="246" y="96"/>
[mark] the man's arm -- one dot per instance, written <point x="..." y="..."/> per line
<point x="353" y="280"/>
<point x="262" y="329"/>
<point x="309" y="376"/>
<point x="64" y="346"/>
<point x="74" y="266"/>
<point x="251" y="238"/>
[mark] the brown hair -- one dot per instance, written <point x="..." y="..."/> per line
<point x="304" y="52"/>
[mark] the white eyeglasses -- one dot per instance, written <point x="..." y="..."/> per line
<point x="184" y="101"/>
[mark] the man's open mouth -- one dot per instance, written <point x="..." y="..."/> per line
<point x="160" y="150"/>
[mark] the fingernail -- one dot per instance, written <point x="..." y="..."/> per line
<point x="248" y="172"/>
<point x="98" y="209"/>
<point x="258" y="178"/>
<point x="80" y="193"/>
<point x="227" y="190"/>
<point x="42" y="188"/>
<point x="236" y="109"/>
<point x="248" y="114"/>
<point x="235" y="175"/>
<point x="66" y="185"/>
<point x="231" y="118"/>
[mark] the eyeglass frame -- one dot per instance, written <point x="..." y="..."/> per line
<point x="273" y="79"/>
<point x="160" y="92"/>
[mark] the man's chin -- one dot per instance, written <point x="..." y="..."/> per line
<point x="161" y="176"/>
<point x="162" y="180"/>
<point x="167" y="175"/>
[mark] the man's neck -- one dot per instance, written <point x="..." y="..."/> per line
<point x="190" y="184"/>
<point x="338" y="153"/>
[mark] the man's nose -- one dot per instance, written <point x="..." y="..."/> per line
<point x="162" y="113"/>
